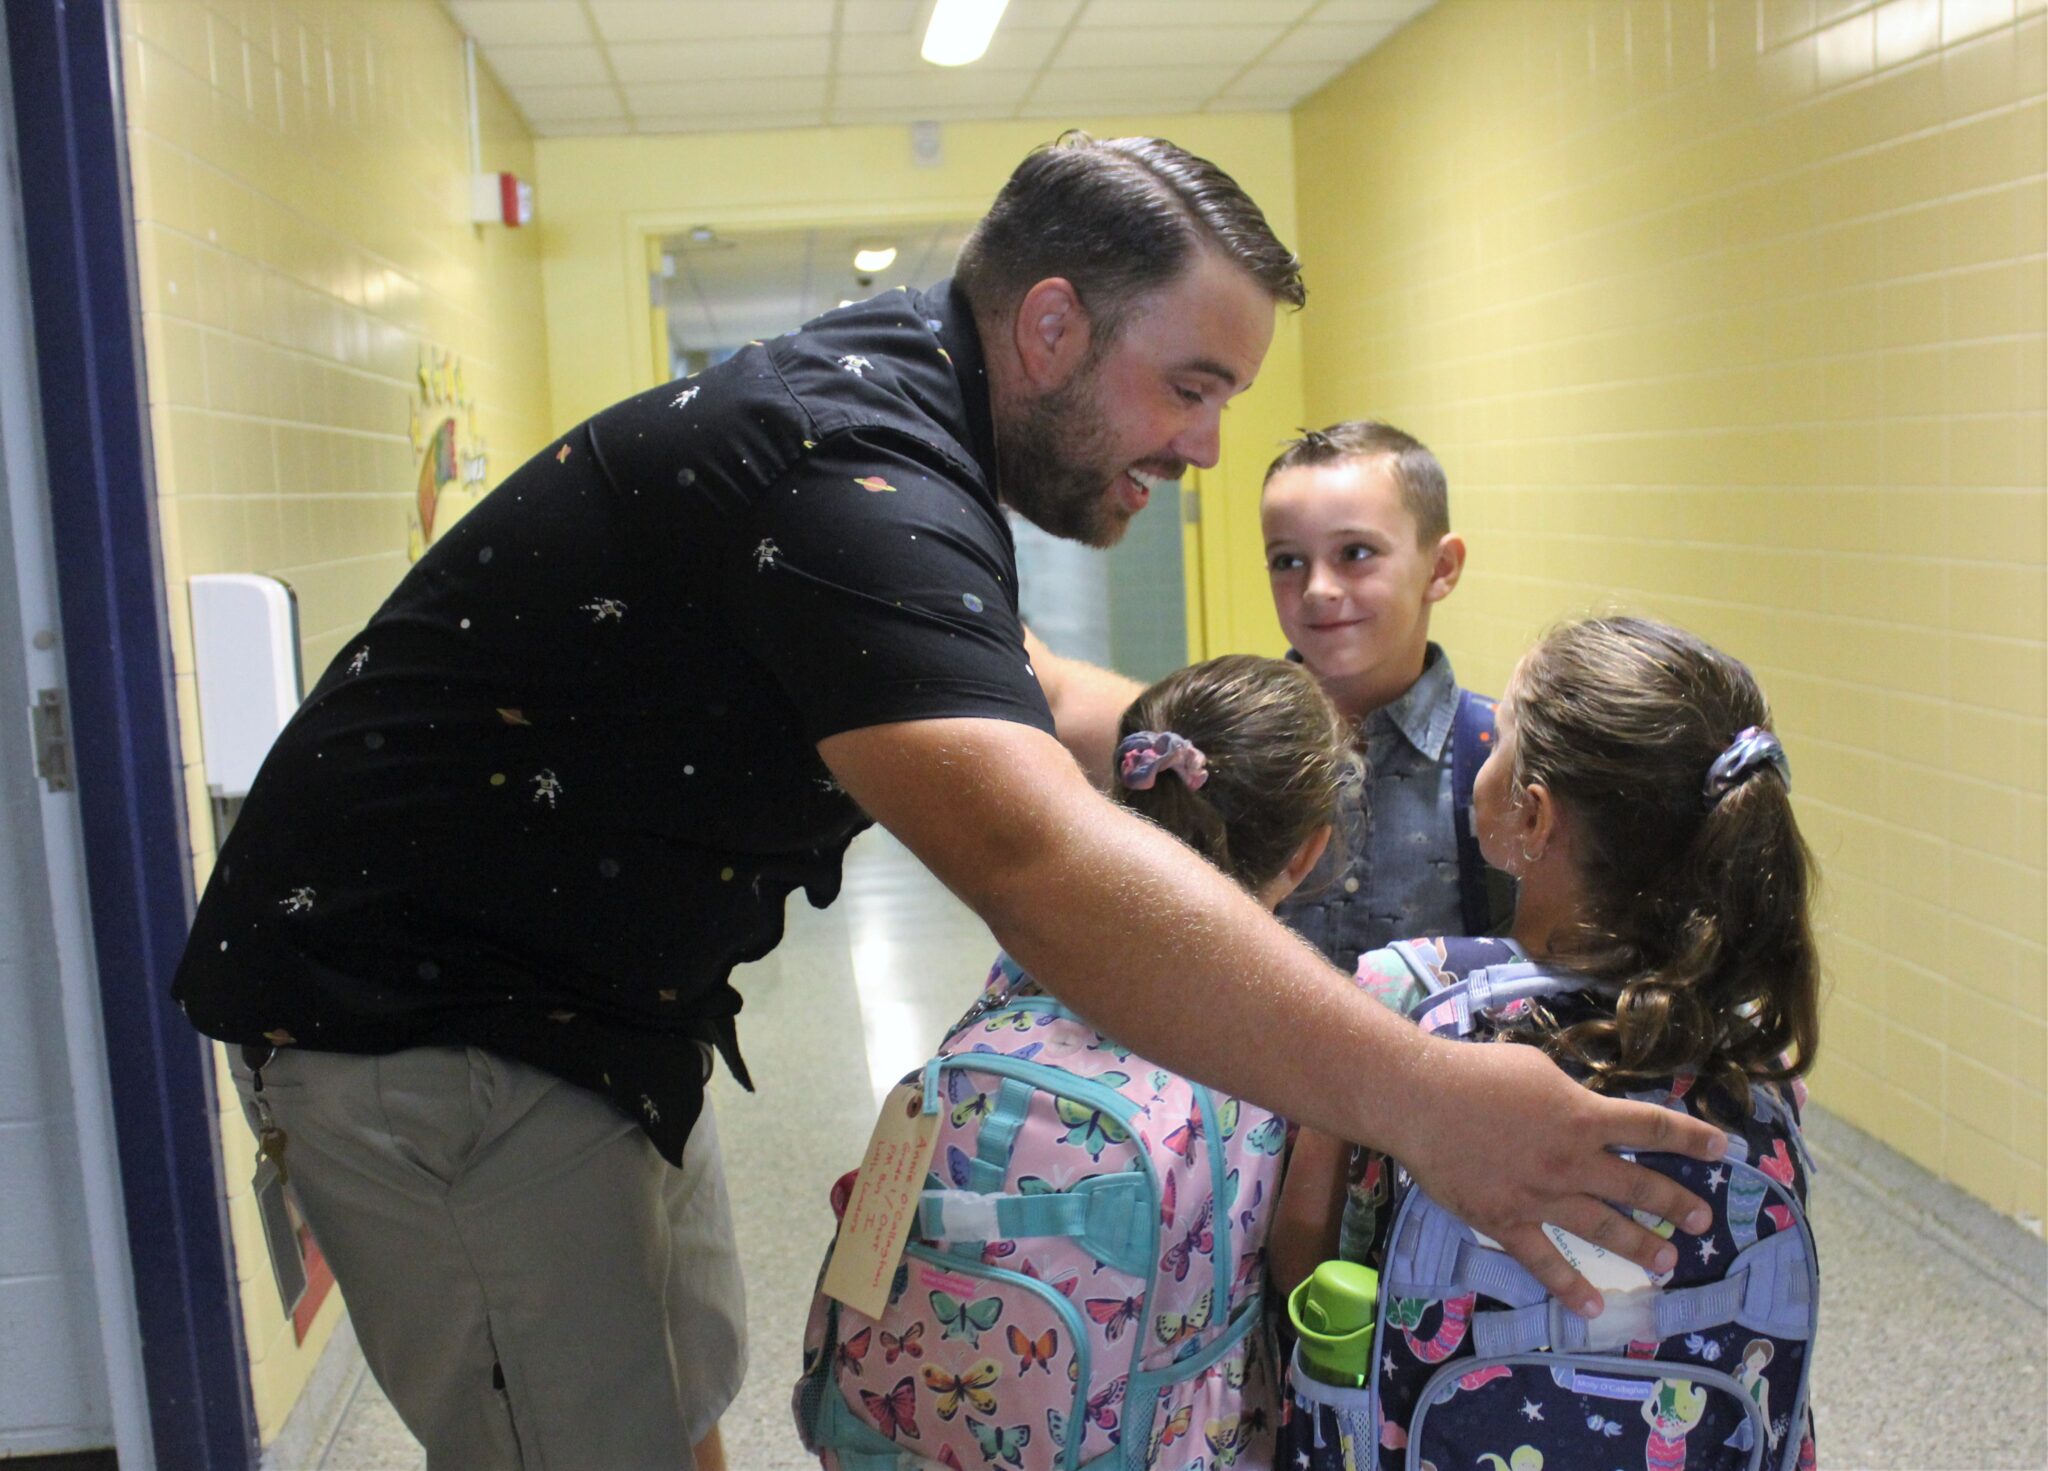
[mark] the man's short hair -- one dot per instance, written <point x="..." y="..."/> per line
<point x="1118" y="218"/>
<point x="1420" y="477"/>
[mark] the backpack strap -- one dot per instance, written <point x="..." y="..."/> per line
<point x="1111" y="1215"/>
<point x="1455" y="1010"/>
<point x="1471" y="740"/>
<point x="1768" y="1290"/>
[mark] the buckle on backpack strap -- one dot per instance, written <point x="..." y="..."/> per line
<point x="1110" y="1216"/>
<point x="1768" y="1291"/>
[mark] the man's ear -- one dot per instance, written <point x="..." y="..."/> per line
<point x="1052" y="333"/>
<point x="1448" y="567"/>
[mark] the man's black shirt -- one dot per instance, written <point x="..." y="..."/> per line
<point x="565" y="779"/>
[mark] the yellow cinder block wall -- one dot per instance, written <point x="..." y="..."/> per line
<point x="300" y="187"/>
<point x="602" y="199"/>
<point x="1733" y="312"/>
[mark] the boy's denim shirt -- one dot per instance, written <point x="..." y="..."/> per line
<point x="1392" y="870"/>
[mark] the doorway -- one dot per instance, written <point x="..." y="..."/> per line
<point x="719" y="289"/>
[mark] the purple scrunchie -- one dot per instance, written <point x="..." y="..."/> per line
<point x="1142" y="755"/>
<point x="1752" y="748"/>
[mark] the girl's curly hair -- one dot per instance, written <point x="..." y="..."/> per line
<point x="1696" y="905"/>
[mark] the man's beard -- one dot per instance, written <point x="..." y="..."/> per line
<point x="1051" y="464"/>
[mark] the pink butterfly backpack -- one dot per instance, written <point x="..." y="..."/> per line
<point x="1081" y="1287"/>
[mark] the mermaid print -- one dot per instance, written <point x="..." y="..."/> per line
<point x="1671" y="1412"/>
<point x="1746" y="1189"/>
<point x="1778" y="1163"/>
<point x="1406" y="1314"/>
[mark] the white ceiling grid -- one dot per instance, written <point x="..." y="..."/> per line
<point x="666" y="66"/>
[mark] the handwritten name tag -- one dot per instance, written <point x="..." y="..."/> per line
<point x="884" y="1202"/>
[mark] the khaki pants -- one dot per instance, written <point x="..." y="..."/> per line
<point x="532" y="1284"/>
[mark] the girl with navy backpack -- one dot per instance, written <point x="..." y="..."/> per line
<point x="1661" y="949"/>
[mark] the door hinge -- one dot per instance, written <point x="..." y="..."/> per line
<point x="53" y="741"/>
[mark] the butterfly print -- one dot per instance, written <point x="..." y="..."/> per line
<point x="1033" y="1353"/>
<point x="972" y="1387"/>
<point x="894" y="1411"/>
<point x="851" y="1352"/>
<point x="911" y="1344"/>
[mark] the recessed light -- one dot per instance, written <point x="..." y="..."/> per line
<point x="872" y="258"/>
<point x="960" y="30"/>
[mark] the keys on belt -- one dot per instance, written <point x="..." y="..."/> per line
<point x="270" y="1139"/>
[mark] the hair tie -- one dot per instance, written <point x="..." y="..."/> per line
<point x="1142" y="755"/>
<point x="1751" y="749"/>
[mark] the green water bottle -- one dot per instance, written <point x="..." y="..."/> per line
<point x="1332" y="1313"/>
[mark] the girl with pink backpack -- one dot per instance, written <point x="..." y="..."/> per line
<point x="1083" y="1281"/>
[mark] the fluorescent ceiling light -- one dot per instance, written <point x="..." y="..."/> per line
<point x="960" y="30"/>
<point x="874" y="258"/>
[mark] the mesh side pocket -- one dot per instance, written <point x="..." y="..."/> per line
<point x="1329" y="1426"/>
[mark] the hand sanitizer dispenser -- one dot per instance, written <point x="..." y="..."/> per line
<point x="245" y="654"/>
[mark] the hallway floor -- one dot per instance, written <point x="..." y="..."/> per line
<point x="1934" y="1345"/>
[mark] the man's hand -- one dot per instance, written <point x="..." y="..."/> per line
<point x="1508" y="1142"/>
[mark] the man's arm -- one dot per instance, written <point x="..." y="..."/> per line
<point x="1133" y="930"/>
<point x="1086" y="702"/>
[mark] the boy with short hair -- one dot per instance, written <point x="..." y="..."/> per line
<point x="1359" y="548"/>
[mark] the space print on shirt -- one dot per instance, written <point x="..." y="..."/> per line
<point x="514" y="681"/>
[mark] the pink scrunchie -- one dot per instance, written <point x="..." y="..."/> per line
<point x="1143" y="754"/>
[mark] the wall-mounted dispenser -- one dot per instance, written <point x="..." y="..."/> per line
<point x="245" y="654"/>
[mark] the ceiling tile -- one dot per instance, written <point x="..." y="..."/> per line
<point x="562" y="104"/>
<point x="671" y="20"/>
<point x="1322" y="43"/>
<point x="1164" y="46"/>
<point x="740" y="98"/>
<point x="861" y="114"/>
<point x="680" y="61"/>
<point x="936" y="87"/>
<point x="580" y="127"/>
<point x="1034" y="15"/>
<point x="1009" y="51"/>
<point x="865" y="17"/>
<point x="710" y="122"/>
<point x="1110" y="90"/>
<point x="711" y="65"/>
<point x="547" y="66"/>
<point x="1179" y="15"/>
<point x="521" y="22"/>
<point x="1366" y="12"/>
<point x="1293" y="82"/>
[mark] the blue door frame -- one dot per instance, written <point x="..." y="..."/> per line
<point x="70" y="126"/>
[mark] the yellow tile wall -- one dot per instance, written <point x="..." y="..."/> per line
<point x="1732" y="311"/>
<point x="300" y="190"/>
<point x="605" y="197"/>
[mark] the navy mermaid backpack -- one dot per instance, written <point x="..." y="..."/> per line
<point x="1705" y="1367"/>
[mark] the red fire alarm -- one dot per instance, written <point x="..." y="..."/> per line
<point x="500" y="199"/>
